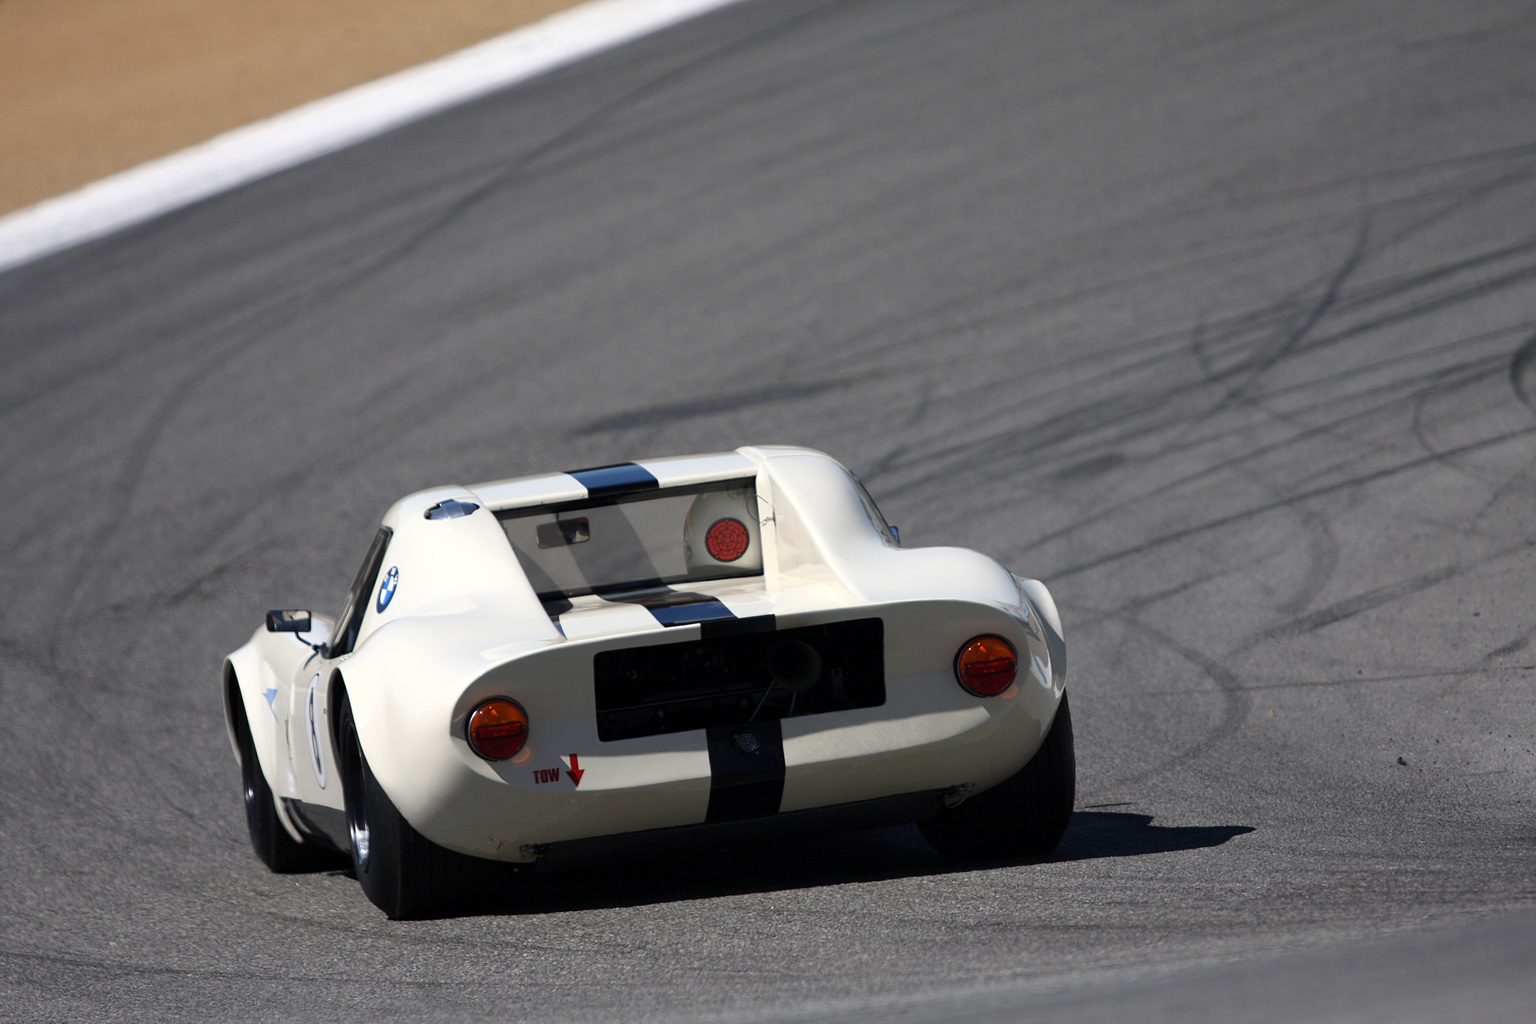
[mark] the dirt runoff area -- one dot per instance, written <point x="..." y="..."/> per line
<point x="91" y="87"/>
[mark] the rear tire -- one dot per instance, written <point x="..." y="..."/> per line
<point x="1024" y="815"/>
<point x="402" y="872"/>
<point x="278" y="850"/>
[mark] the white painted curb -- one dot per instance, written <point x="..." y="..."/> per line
<point x="324" y="126"/>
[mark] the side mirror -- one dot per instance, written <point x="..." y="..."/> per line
<point x="288" y="621"/>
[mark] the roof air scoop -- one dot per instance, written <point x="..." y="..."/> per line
<point x="451" y="509"/>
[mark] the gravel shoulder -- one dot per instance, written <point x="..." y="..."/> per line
<point x="93" y="87"/>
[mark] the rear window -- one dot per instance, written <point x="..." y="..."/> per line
<point x="635" y="541"/>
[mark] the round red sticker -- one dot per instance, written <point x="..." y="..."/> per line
<point x="727" y="540"/>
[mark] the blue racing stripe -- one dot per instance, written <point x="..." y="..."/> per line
<point x="606" y="481"/>
<point x="678" y="607"/>
<point x="705" y="610"/>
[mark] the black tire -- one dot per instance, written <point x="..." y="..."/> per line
<point x="403" y="873"/>
<point x="1024" y="815"/>
<point x="278" y="850"/>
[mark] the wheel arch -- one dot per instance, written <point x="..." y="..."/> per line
<point x="402" y="726"/>
<point x="366" y="697"/>
<point x="241" y="686"/>
<point x="239" y="697"/>
<point x="335" y="695"/>
<point x="233" y="702"/>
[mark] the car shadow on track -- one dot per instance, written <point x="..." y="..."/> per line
<point x="1094" y="834"/>
<point x="872" y="855"/>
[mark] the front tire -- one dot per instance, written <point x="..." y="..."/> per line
<point x="1024" y="815"/>
<point x="403" y="873"/>
<point x="278" y="850"/>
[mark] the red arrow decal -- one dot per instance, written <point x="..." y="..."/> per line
<point x="576" y="772"/>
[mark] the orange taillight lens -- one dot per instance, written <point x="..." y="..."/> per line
<point x="986" y="665"/>
<point x="497" y="729"/>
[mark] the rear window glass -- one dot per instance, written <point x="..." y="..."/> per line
<point x="634" y="541"/>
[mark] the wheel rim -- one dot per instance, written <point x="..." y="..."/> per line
<point x="248" y="772"/>
<point x="359" y="831"/>
<point x="357" y="815"/>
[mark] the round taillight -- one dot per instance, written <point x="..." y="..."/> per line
<point x="986" y="665"/>
<point x="497" y="729"/>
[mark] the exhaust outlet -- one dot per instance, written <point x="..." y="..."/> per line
<point x="796" y="666"/>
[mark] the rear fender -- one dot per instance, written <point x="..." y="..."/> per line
<point x="1044" y="605"/>
<point x="405" y="685"/>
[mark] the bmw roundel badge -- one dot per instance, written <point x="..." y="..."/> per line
<point x="387" y="588"/>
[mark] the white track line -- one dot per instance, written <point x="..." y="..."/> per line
<point x="329" y="124"/>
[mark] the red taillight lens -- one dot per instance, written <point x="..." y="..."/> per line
<point x="986" y="666"/>
<point x="497" y="729"/>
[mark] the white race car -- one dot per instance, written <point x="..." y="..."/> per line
<point x="553" y="669"/>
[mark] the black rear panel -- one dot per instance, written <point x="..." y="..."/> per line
<point x="737" y="678"/>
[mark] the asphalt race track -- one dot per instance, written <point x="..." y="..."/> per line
<point x="1220" y="318"/>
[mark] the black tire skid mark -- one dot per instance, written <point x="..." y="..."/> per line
<point x="72" y="683"/>
<point x="1378" y="293"/>
<point x="1406" y="285"/>
<point x="1520" y="642"/>
<point x="1248" y="513"/>
<point x="1248" y="371"/>
<point x="527" y="165"/>
<point x="1129" y="412"/>
<point x="1066" y="425"/>
<point x="107" y="358"/>
<point x="56" y="658"/>
<point x="1462" y="195"/>
<point x="874" y="471"/>
<point x="1236" y="702"/>
<point x="1409" y="393"/>
<point x="1465" y="162"/>
<point x="1339" y="301"/>
<point x="1441" y="303"/>
<point x="1086" y="617"/>
<point x="1102" y="513"/>
<point x="238" y="333"/>
<point x="1473" y="186"/>
<point x="1073" y="424"/>
<point x="1521" y="478"/>
<point x="1322" y="545"/>
<point x="893" y="333"/>
<point x="1323" y="551"/>
<point x="1123" y="416"/>
<point x="1522" y="366"/>
<point x="1356" y="417"/>
<point x="1237" y="694"/>
<point x="1352" y="606"/>
<point x="118" y="495"/>
<point x="1377" y="597"/>
<point x="667" y="413"/>
<point x="1449" y="381"/>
